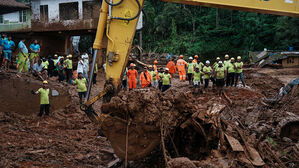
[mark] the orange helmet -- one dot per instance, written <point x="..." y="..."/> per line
<point x="196" y="56"/>
<point x="131" y="64"/>
<point x="155" y="62"/>
<point x="181" y="56"/>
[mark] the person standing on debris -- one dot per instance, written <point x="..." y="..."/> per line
<point x="171" y="66"/>
<point x="181" y="65"/>
<point x="226" y="60"/>
<point x="61" y="69"/>
<point x="215" y="65"/>
<point x="155" y="66"/>
<point x="80" y="65"/>
<point x="44" y="99"/>
<point x="195" y="59"/>
<point x="34" y="52"/>
<point x="55" y="60"/>
<point x="81" y="83"/>
<point x="132" y="76"/>
<point x="239" y="71"/>
<point x="85" y="59"/>
<point x="161" y="72"/>
<point x="190" y="68"/>
<point x="145" y="78"/>
<point x="231" y="69"/>
<point x="220" y="72"/>
<point x="155" y="77"/>
<point x="69" y="68"/>
<point x="22" y="57"/>
<point x="8" y="46"/>
<point x="3" y="39"/>
<point x="207" y="71"/>
<point x="196" y="79"/>
<point x="166" y="80"/>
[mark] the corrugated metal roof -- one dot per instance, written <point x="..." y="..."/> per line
<point x="7" y="6"/>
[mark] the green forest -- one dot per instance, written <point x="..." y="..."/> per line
<point x="211" y="32"/>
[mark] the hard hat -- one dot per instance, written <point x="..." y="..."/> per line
<point x="226" y="56"/>
<point x="218" y="58"/>
<point x="181" y="56"/>
<point x="239" y="57"/>
<point x="196" y="56"/>
<point x="131" y="64"/>
<point x="55" y="55"/>
<point x="190" y="58"/>
<point x="220" y="62"/>
<point x="207" y="62"/>
<point x="155" y="62"/>
<point x="166" y="69"/>
<point x="69" y="56"/>
<point x="134" y="65"/>
<point x="45" y="82"/>
<point x="232" y="58"/>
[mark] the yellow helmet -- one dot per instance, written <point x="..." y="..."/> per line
<point x="69" y="56"/>
<point x="239" y="57"/>
<point x="232" y="59"/>
<point x="226" y="56"/>
<point x="45" y="82"/>
<point x="218" y="58"/>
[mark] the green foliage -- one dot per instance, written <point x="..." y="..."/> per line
<point x="271" y="141"/>
<point x="210" y="32"/>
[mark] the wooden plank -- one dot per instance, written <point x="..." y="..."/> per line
<point x="234" y="143"/>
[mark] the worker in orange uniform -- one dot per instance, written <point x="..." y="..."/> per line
<point x="132" y="76"/>
<point x="155" y="66"/>
<point x="145" y="78"/>
<point x="171" y="66"/>
<point x="195" y="59"/>
<point x="181" y="65"/>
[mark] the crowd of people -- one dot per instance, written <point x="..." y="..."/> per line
<point x="221" y="73"/>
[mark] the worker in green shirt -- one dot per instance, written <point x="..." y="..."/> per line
<point x="44" y="98"/>
<point x="231" y="69"/>
<point x="239" y="71"/>
<point x="160" y="73"/>
<point x="215" y="65"/>
<point x="69" y="68"/>
<point x="196" y="79"/>
<point x="207" y="74"/>
<point x="226" y="60"/>
<point x="166" y="80"/>
<point x="220" y="73"/>
<point x="81" y="83"/>
<point x="190" y="68"/>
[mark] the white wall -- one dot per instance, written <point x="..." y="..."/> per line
<point x="11" y="17"/>
<point x="53" y="8"/>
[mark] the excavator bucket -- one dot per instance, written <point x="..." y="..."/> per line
<point x="128" y="139"/>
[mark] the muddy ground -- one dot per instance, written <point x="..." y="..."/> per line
<point x="68" y="139"/>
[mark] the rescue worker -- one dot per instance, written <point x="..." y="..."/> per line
<point x="155" y="77"/>
<point x="196" y="79"/>
<point x="226" y="60"/>
<point x="8" y="46"/>
<point x="190" y="68"/>
<point x="155" y="66"/>
<point x="55" y="60"/>
<point x="239" y="71"/>
<point x="69" y="68"/>
<point x="37" y="70"/>
<point x="132" y="76"/>
<point x="81" y="83"/>
<point x="34" y="52"/>
<point x="231" y="69"/>
<point x="22" y="57"/>
<point x="195" y="59"/>
<point x="85" y="59"/>
<point x="161" y="72"/>
<point x="80" y="65"/>
<point x="181" y="65"/>
<point x="166" y="80"/>
<point x="61" y="69"/>
<point x="145" y="78"/>
<point x="216" y="63"/>
<point x="207" y="74"/>
<point x="95" y="73"/>
<point x="220" y="72"/>
<point x="2" y="40"/>
<point x="171" y="66"/>
<point x="125" y="79"/>
<point x="44" y="99"/>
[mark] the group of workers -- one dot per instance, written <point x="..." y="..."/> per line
<point x="220" y="73"/>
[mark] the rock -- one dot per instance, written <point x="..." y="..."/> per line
<point x="286" y="139"/>
<point x="181" y="162"/>
<point x="79" y="156"/>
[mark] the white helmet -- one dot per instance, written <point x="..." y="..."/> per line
<point x="190" y="58"/>
<point x="166" y="69"/>
<point x="220" y="62"/>
<point x="207" y="62"/>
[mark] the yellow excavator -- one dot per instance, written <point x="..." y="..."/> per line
<point x="118" y="20"/>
